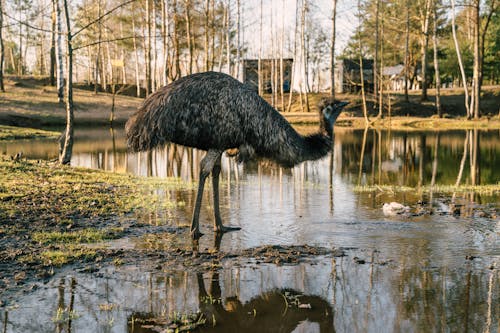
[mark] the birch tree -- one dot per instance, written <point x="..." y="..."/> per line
<point x="332" y="49"/>
<point x="59" y="52"/>
<point x="460" y="62"/>
<point x="436" y="60"/>
<point x="67" y="149"/>
<point x="2" y="49"/>
<point x="292" y="75"/>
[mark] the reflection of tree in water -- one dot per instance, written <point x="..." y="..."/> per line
<point x="273" y="311"/>
<point x="447" y="300"/>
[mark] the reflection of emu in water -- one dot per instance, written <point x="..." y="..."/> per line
<point x="214" y="112"/>
<point x="273" y="311"/>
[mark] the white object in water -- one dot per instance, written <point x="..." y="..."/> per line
<point x="394" y="208"/>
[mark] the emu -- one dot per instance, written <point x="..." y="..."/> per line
<point x="214" y="112"/>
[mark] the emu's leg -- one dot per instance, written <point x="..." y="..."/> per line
<point x="206" y="166"/>
<point x="218" y="227"/>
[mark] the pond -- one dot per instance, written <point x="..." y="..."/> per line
<point x="432" y="269"/>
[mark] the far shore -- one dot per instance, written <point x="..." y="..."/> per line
<point x="28" y="103"/>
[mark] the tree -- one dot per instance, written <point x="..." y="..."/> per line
<point x="425" y="13"/>
<point x="407" y="47"/>
<point x="460" y="63"/>
<point x="59" y="52"/>
<point x="67" y="149"/>
<point x="66" y="139"/>
<point x="332" y="49"/>
<point x="361" y="74"/>
<point x="436" y="60"/>
<point x="2" y="48"/>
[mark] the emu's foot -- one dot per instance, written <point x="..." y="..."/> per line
<point x="196" y="234"/>
<point x="224" y="229"/>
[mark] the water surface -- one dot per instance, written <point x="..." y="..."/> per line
<point x="430" y="271"/>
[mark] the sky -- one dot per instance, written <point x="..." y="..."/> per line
<point x="282" y="13"/>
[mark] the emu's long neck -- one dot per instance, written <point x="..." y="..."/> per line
<point x="281" y="142"/>
<point x="303" y="148"/>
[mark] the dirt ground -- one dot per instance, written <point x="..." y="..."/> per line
<point x="30" y="102"/>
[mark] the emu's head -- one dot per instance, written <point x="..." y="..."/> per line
<point x="329" y="111"/>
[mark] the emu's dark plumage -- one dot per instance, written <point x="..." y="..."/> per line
<point x="214" y="112"/>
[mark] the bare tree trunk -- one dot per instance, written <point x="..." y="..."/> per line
<point x="174" y="75"/>
<point x="98" y="72"/>
<point x="407" y="48"/>
<point x="165" y="31"/>
<point x="213" y="35"/>
<point x="148" y="49"/>
<point x="104" y="71"/>
<point x="2" y="50"/>
<point x="207" y="34"/>
<point x="52" y="71"/>
<point x="238" y="41"/>
<point x="109" y="63"/>
<point x="436" y="61"/>
<point x="303" y="53"/>
<point x="59" y="54"/>
<point x="282" y="41"/>
<point x="154" y="76"/>
<point x="67" y="150"/>
<point x="20" y="63"/>
<point x="259" y="61"/>
<point x="332" y="49"/>
<point x="292" y="75"/>
<point x="122" y="57"/>
<point x="493" y="8"/>
<point x="476" y="88"/>
<point x="380" y="74"/>
<point x="189" y="39"/>
<point x="222" y="39"/>
<point x="361" y="74"/>
<point x="136" y="56"/>
<point x="460" y="63"/>
<point x="272" y="58"/>
<point x="228" y="36"/>
<point x="376" y="77"/>
<point x="425" y="46"/>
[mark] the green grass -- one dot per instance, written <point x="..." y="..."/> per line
<point x="54" y="212"/>
<point x="16" y="133"/>
<point x="66" y="256"/>
<point x="43" y="191"/>
<point x="90" y="235"/>
<point x="489" y="189"/>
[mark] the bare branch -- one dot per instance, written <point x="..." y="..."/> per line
<point x="102" y="16"/>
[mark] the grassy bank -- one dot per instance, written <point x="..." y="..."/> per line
<point x="49" y="211"/>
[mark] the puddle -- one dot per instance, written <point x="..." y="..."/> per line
<point x="434" y="269"/>
<point x="322" y="295"/>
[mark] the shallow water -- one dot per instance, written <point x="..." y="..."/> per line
<point x="422" y="272"/>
